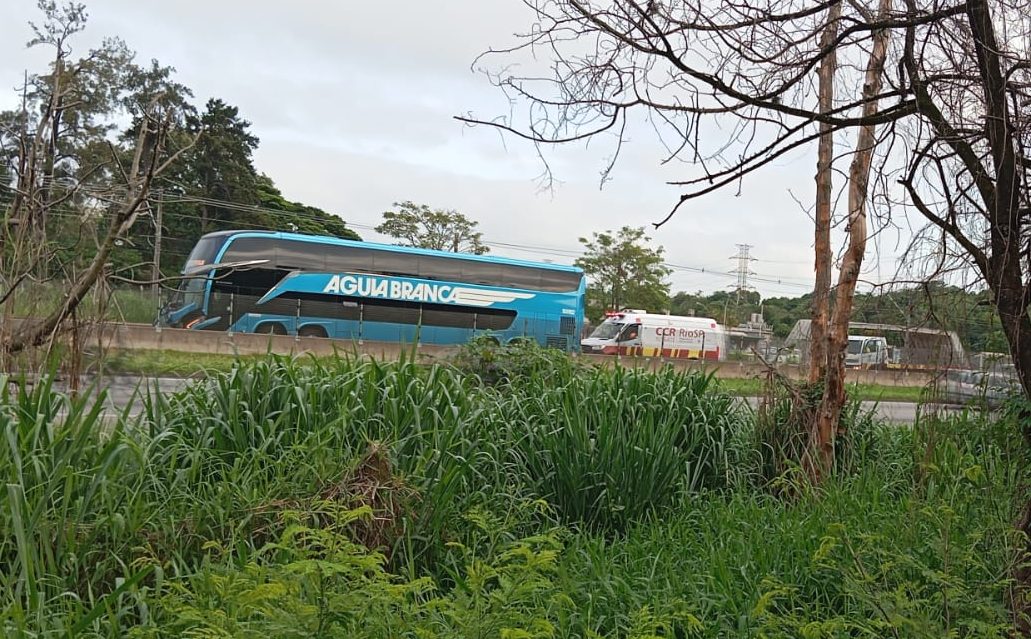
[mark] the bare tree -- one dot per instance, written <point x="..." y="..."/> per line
<point x="968" y="173"/>
<point x="746" y="65"/>
<point x="851" y="263"/>
<point x="935" y="93"/>
<point x="53" y="170"/>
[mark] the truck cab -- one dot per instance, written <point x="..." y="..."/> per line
<point x="866" y="352"/>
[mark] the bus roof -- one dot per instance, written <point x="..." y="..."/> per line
<point x="320" y="239"/>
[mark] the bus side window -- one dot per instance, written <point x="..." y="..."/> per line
<point x="299" y="256"/>
<point x="482" y="273"/>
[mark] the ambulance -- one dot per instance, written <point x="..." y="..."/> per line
<point x="642" y="334"/>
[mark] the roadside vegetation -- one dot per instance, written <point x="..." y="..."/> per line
<point x="511" y="494"/>
<point x="124" y="304"/>
<point x="494" y="363"/>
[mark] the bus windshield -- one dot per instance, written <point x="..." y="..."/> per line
<point x="190" y="291"/>
<point x="607" y="330"/>
<point x="204" y="253"/>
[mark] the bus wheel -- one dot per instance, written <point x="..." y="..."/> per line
<point x="270" y="328"/>
<point x="312" y="331"/>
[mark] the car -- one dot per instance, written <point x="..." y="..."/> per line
<point x="978" y="387"/>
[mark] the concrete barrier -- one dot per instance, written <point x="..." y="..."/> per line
<point x="144" y="337"/>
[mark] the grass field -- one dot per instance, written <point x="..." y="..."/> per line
<point x="512" y="495"/>
<point x="122" y="305"/>
<point x="177" y="364"/>
<point x="165" y="363"/>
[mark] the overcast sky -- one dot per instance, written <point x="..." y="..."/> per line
<point x="354" y="105"/>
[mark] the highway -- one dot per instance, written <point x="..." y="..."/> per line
<point x="123" y="391"/>
<point x="892" y="412"/>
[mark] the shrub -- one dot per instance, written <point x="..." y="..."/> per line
<point x="317" y="582"/>
<point x="494" y="364"/>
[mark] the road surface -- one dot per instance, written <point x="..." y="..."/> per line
<point x="894" y="412"/>
<point x="125" y="391"/>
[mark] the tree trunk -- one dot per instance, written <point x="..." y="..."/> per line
<point x="1005" y="276"/>
<point x="829" y="416"/>
<point x="1012" y="306"/>
<point x="822" y="244"/>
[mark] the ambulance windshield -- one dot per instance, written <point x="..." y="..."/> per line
<point x="607" y="330"/>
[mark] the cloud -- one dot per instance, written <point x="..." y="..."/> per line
<point x="354" y="104"/>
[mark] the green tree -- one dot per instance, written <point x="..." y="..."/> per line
<point x="222" y="163"/>
<point x="81" y="118"/>
<point x="624" y="272"/>
<point x="296" y="216"/>
<point x="726" y="307"/>
<point x="444" y="230"/>
<point x="216" y="187"/>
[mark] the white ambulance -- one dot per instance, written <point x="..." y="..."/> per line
<point x="639" y="333"/>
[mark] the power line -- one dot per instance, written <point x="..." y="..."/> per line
<point x="164" y="198"/>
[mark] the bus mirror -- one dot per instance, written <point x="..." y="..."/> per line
<point x="208" y="268"/>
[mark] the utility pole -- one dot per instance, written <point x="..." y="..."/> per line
<point x="156" y="269"/>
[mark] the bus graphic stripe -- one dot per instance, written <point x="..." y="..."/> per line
<point x="393" y="288"/>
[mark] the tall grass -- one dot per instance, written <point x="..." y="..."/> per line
<point x="609" y="446"/>
<point x="121" y="305"/>
<point x="447" y="487"/>
<point x="304" y="427"/>
<point x="69" y="488"/>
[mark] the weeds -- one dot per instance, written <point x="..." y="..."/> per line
<point x="350" y="497"/>
<point x="611" y="446"/>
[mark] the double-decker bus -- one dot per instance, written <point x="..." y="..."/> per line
<point x="292" y="284"/>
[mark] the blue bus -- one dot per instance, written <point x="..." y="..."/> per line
<point x="293" y="284"/>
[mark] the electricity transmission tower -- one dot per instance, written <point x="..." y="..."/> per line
<point x="742" y="271"/>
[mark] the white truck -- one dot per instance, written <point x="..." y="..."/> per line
<point x="639" y="333"/>
<point x="866" y="352"/>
